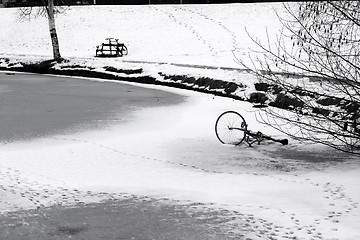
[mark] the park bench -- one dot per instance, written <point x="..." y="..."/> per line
<point x="111" y="48"/>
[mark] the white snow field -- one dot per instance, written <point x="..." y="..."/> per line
<point x="186" y="34"/>
<point x="172" y="152"/>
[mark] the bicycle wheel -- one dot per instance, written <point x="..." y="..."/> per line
<point x="230" y="128"/>
<point x="124" y="50"/>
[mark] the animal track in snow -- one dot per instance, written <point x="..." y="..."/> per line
<point x="188" y="22"/>
<point x="253" y="227"/>
<point x="221" y="27"/>
<point x="339" y="204"/>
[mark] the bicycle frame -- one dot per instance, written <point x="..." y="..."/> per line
<point x="230" y="122"/>
<point x="252" y="137"/>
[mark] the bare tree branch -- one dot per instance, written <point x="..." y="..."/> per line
<point x="319" y="49"/>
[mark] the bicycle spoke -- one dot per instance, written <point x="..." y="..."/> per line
<point x="230" y="129"/>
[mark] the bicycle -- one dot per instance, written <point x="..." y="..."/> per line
<point x="231" y="128"/>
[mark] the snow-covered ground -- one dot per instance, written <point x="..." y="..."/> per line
<point x="186" y="34"/>
<point x="160" y="38"/>
<point x="184" y="161"/>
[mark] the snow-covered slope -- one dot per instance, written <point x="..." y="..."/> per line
<point x="180" y="40"/>
<point x="191" y="34"/>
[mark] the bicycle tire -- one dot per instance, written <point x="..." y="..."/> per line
<point x="230" y="128"/>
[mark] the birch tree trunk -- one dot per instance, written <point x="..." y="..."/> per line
<point x="52" y="28"/>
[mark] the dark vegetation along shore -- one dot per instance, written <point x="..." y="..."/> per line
<point x="216" y="87"/>
<point x="207" y="85"/>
